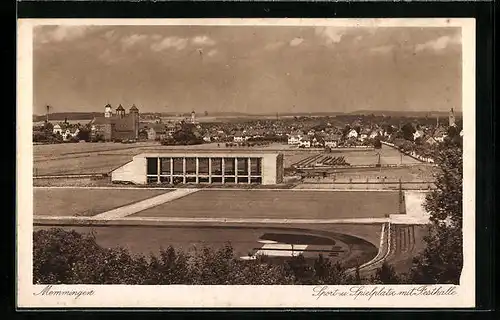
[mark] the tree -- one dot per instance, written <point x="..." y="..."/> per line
<point x="386" y="275"/>
<point x="83" y="134"/>
<point x="408" y="130"/>
<point x="48" y="127"/>
<point x="442" y="259"/>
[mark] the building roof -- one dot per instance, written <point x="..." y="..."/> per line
<point x="157" y="127"/>
<point x="120" y="108"/>
<point x="134" y="108"/>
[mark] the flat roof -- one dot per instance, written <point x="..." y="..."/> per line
<point x="206" y="153"/>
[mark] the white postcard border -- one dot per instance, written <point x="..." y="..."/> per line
<point x="232" y="296"/>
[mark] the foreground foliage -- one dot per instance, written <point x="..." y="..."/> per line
<point x="68" y="257"/>
<point x="442" y="260"/>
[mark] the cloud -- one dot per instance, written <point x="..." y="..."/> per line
<point x="331" y="34"/>
<point x="61" y="33"/>
<point x="131" y="40"/>
<point x="109" y="35"/>
<point x="295" y="42"/>
<point x="274" y="45"/>
<point x="170" y="42"/>
<point x="212" y="53"/>
<point x="439" y="44"/>
<point x="203" y="40"/>
<point x="382" y="49"/>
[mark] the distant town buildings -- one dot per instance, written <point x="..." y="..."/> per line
<point x="118" y="126"/>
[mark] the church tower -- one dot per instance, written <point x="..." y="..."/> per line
<point x="451" y="118"/>
<point x="107" y="111"/>
<point x="120" y="111"/>
<point x="134" y="113"/>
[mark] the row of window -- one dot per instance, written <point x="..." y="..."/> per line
<point x="186" y="179"/>
<point x="175" y="166"/>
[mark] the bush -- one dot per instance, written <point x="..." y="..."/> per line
<point x="68" y="257"/>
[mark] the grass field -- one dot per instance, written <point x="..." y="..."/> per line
<point x="85" y="202"/>
<point x="279" y="204"/>
<point x="97" y="158"/>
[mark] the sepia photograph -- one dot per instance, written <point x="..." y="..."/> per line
<point x="246" y="162"/>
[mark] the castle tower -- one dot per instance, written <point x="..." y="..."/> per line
<point x="451" y="118"/>
<point x="120" y="111"/>
<point x="193" y="117"/>
<point x="134" y="113"/>
<point x="108" y="112"/>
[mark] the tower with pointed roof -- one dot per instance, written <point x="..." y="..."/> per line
<point x="120" y="111"/>
<point x="108" y="112"/>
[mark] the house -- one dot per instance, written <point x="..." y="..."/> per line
<point x="332" y="141"/>
<point x="239" y="137"/>
<point x="418" y="134"/>
<point x="294" y="138"/>
<point x="70" y="133"/>
<point x="305" y="142"/>
<point x="57" y="129"/>
<point x="317" y="142"/>
<point x="439" y="135"/>
<point x="207" y="138"/>
<point x="374" y="134"/>
<point x="363" y="135"/>
<point x="352" y="134"/>
<point x="170" y="128"/>
<point x="157" y="131"/>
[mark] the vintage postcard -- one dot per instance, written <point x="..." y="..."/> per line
<point x="246" y="163"/>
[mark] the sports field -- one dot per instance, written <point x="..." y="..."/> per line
<point x="243" y="240"/>
<point x="85" y="202"/>
<point x="96" y="158"/>
<point x="279" y="204"/>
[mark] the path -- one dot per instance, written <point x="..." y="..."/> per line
<point x="143" y="205"/>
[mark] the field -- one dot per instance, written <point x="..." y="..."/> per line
<point x="85" y="202"/>
<point x="99" y="158"/>
<point x="279" y="204"/>
<point x="388" y="156"/>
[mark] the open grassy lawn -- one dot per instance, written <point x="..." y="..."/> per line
<point x="62" y="149"/>
<point x="85" y="202"/>
<point x="279" y="204"/>
<point x="88" y="164"/>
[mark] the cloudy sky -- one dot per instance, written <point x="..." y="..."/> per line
<point x="252" y="69"/>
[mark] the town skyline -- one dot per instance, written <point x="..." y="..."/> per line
<point x="248" y="70"/>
